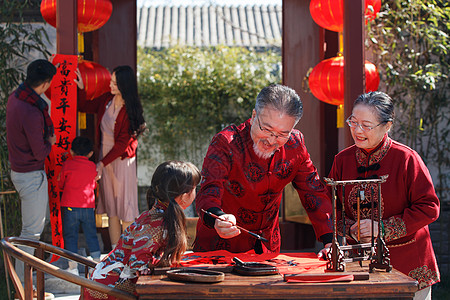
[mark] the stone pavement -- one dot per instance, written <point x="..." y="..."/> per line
<point x="67" y="296"/>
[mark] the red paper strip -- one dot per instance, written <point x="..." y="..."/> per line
<point x="287" y="263"/>
<point x="311" y="278"/>
<point x="64" y="116"/>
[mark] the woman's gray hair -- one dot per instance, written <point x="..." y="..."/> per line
<point x="381" y="103"/>
<point x="280" y="98"/>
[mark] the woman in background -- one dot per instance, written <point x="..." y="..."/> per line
<point x="408" y="199"/>
<point x="120" y="122"/>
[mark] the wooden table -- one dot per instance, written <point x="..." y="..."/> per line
<point x="381" y="284"/>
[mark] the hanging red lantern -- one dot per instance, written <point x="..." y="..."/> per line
<point x="95" y="77"/>
<point x="91" y="14"/>
<point x="329" y="14"/>
<point x="326" y="80"/>
<point x="372" y="8"/>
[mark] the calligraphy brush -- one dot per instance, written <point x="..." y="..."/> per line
<point x="243" y="229"/>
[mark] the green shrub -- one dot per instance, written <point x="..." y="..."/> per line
<point x="189" y="94"/>
<point x="411" y="47"/>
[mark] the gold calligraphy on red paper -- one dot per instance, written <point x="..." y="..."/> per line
<point x="64" y="116"/>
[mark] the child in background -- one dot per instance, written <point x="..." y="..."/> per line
<point x="158" y="236"/>
<point x="77" y="180"/>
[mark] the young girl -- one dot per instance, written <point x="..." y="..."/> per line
<point x="158" y="236"/>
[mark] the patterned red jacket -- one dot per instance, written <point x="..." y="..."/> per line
<point x="238" y="182"/>
<point x="408" y="203"/>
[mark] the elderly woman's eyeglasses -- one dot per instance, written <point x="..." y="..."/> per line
<point x="352" y="124"/>
<point x="270" y="133"/>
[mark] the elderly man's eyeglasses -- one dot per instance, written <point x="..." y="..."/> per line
<point x="270" y="133"/>
<point x="353" y="124"/>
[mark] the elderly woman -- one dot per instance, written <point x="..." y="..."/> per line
<point x="408" y="199"/>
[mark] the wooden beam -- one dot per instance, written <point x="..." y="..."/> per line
<point x="66" y="27"/>
<point x="354" y="74"/>
<point x="301" y="50"/>
<point x="116" y="40"/>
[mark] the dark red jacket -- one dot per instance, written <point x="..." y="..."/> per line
<point x="24" y="127"/>
<point x="408" y="203"/>
<point x="125" y="144"/>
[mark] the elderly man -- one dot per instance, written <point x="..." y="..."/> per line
<point x="245" y="171"/>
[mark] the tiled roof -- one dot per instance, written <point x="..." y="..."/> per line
<point x="203" y="26"/>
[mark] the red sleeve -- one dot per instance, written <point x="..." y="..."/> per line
<point x="423" y="203"/>
<point x="91" y="106"/>
<point x="122" y="138"/>
<point x="216" y="167"/>
<point x="33" y="126"/>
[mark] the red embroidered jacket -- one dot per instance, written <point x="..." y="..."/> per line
<point x="125" y="144"/>
<point x="238" y="182"/>
<point x="408" y="203"/>
<point x="139" y="248"/>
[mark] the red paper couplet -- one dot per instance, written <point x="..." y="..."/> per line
<point x="64" y="116"/>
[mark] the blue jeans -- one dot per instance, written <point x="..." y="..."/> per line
<point x="33" y="192"/>
<point x="72" y="218"/>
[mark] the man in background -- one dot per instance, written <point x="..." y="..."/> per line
<point x="30" y="136"/>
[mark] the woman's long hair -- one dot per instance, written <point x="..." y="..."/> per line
<point x="170" y="180"/>
<point x="127" y="85"/>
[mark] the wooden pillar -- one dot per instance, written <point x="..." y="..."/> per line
<point x="302" y="49"/>
<point x="354" y="85"/>
<point x="331" y="138"/>
<point x="66" y="27"/>
<point x="115" y="43"/>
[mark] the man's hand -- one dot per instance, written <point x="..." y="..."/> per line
<point x="52" y="139"/>
<point x="226" y="226"/>
<point x="323" y="253"/>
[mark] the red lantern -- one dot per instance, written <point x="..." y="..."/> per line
<point x="92" y="14"/>
<point x="372" y="8"/>
<point x="329" y="14"/>
<point x="326" y="80"/>
<point x="95" y="77"/>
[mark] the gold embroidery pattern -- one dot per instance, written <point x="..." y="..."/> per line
<point x="394" y="228"/>
<point x="126" y="285"/>
<point x="96" y="294"/>
<point x="366" y="160"/>
<point x="402" y="244"/>
<point x="424" y="276"/>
